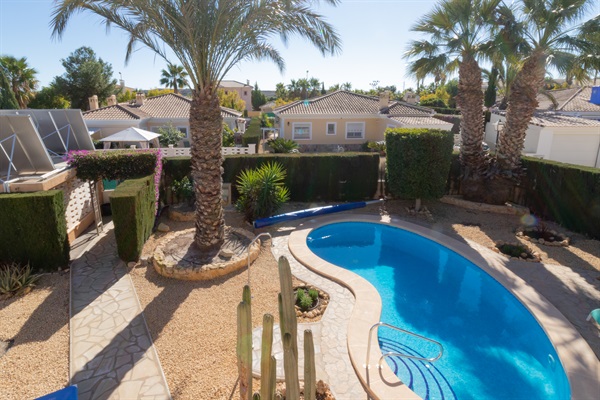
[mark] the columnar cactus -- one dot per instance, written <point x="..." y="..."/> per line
<point x="267" y="362"/>
<point x="244" y="350"/>
<point x="290" y="366"/>
<point x="287" y="310"/>
<point x="310" y="378"/>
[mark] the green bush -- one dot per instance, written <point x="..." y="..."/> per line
<point x="253" y="132"/>
<point x="170" y="135"/>
<point x="112" y="165"/>
<point x="133" y="204"/>
<point x="282" y="146"/>
<point x="228" y="136"/>
<point x="262" y="191"/>
<point x="33" y="230"/>
<point x="418" y="162"/>
<point x="184" y="190"/>
<point x="310" y="177"/>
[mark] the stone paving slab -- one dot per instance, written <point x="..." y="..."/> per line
<point x="112" y="355"/>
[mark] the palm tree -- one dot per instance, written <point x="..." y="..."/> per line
<point x="7" y="97"/>
<point x="21" y="78"/>
<point x="174" y="76"/>
<point x="459" y="35"/>
<point x="209" y="38"/>
<point x="544" y="33"/>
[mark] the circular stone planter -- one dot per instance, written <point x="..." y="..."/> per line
<point x="551" y="238"/>
<point x="182" y="212"/>
<point x="186" y="265"/>
<point x="527" y="254"/>
<point x="315" y="312"/>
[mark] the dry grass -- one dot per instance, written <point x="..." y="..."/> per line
<point x="38" y="361"/>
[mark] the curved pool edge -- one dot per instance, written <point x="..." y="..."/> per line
<point x="578" y="360"/>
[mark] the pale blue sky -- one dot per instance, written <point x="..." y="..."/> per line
<point x="374" y="35"/>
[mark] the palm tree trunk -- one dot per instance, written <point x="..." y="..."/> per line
<point x="470" y="102"/>
<point x="206" y="125"/>
<point x="175" y="90"/>
<point x="521" y="107"/>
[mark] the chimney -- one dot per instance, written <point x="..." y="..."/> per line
<point x="384" y="100"/>
<point x="93" y="102"/>
<point x="112" y="100"/>
<point x="139" y="98"/>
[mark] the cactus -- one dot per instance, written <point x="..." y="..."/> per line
<point x="267" y="362"/>
<point x="287" y="312"/>
<point x="244" y="350"/>
<point x="246" y="296"/>
<point x="310" y="378"/>
<point x="290" y="366"/>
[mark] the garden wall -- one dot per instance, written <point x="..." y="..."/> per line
<point x="310" y="177"/>
<point x="33" y="230"/>
<point x="565" y="193"/>
<point x="133" y="209"/>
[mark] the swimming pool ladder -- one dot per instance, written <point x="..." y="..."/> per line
<point x="393" y="354"/>
<point x="250" y="246"/>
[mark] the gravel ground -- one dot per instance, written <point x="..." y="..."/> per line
<point x="202" y="316"/>
<point x="38" y="361"/>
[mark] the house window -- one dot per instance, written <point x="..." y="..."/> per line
<point x="245" y="93"/>
<point x="183" y="129"/>
<point x="302" y="131"/>
<point x="355" y="130"/>
<point x="331" y="128"/>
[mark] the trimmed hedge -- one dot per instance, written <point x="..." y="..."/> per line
<point x="33" y="230"/>
<point x="418" y="162"/>
<point x="132" y="206"/>
<point x="310" y="177"/>
<point x="253" y="134"/>
<point x="113" y="165"/>
<point x="565" y="193"/>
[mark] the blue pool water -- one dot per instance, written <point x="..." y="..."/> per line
<point x="493" y="347"/>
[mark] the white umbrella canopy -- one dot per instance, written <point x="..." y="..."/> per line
<point x="131" y="135"/>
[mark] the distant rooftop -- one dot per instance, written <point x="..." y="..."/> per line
<point x="553" y="119"/>
<point x="233" y="84"/>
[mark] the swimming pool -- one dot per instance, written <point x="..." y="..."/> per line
<point x="493" y="347"/>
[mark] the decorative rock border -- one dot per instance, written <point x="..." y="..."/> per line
<point x="557" y="243"/>
<point x="203" y="272"/>
<point x="315" y="313"/>
<point x="535" y="256"/>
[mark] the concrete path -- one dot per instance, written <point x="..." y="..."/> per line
<point x="112" y="355"/>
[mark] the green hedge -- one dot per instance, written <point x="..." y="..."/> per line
<point x="33" y="230"/>
<point x="565" y="193"/>
<point x="253" y="132"/>
<point x="418" y="162"/>
<point x="132" y="206"/>
<point x="310" y="177"/>
<point x="113" y="165"/>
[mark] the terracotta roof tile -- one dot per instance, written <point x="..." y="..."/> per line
<point x="420" y="121"/>
<point x="553" y="119"/>
<point x="164" y="106"/>
<point x="580" y="101"/>
<point x="405" y="109"/>
<point x="339" y="102"/>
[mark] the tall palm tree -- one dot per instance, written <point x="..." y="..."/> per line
<point x="545" y="34"/>
<point x="174" y="76"/>
<point x="209" y="38"/>
<point x="7" y="96"/>
<point x="459" y="35"/>
<point x="21" y="78"/>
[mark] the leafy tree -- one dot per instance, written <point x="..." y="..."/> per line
<point x="432" y="100"/>
<point x="21" y="78"/>
<point x="157" y="92"/>
<point x="281" y="91"/>
<point x="208" y="38"/>
<point x="231" y="99"/>
<point x="49" y="98"/>
<point x="7" y="96"/>
<point x="323" y="91"/>
<point x="458" y="35"/>
<point x="85" y="76"/>
<point x="127" y="95"/>
<point x="174" y="76"/>
<point x="542" y="32"/>
<point x="228" y="136"/>
<point x="258" y="98"/>
<point x="170" y="135"/>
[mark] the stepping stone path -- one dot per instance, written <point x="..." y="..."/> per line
<point x="112" y="355"/>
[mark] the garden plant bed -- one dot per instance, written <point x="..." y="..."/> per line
<point x="318" y="306"/>
<point x="544" y="236"/>
<point x="517" y="251"/>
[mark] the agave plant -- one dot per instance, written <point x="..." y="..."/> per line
<point x="15" y="278"/>
<point x="262" y="191"/>
<point x="281" y="145"/>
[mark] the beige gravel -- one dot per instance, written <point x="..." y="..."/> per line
<point x="38" y="361"/>
<point x="193" y="324"/>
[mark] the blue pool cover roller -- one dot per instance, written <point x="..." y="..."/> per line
<point x="311" y="212"/>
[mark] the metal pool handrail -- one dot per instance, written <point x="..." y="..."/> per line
<point x="250" y="246"/>
<point x="391" y="354"/>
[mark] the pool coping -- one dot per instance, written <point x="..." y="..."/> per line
<point x="578" y="360"/>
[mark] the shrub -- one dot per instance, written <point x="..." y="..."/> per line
<point x="262" y="191"/>
<point x="228" y="136"/>
<point x="33" y="230"/>
<point x="314" y="294"/>
<point x="15" y="279"/>
<point x="418" y="162"/>
<point x="281" y="145"/>
<point x="377" y="146"/>
<point x="184" y="190"/>
<point x="169" y="135"/>
<point x="132" y="205"/>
